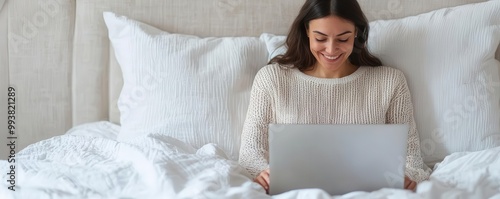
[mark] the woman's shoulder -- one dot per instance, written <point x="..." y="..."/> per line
<point x="387" y="72"/>
<point x="273" y="71"/>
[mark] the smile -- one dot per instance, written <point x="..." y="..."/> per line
<point x="332" y="57"/>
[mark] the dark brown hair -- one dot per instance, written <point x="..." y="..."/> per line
<point x="298" y="53"/>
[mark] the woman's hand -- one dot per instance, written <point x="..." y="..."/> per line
<point x="263" y="179"/>
<point x="410" y="184"/>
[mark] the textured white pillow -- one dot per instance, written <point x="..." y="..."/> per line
<point x="447" y="56"/>
<point x="190" y="88"/>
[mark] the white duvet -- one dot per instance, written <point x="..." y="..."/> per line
<point x="87" y="162"/>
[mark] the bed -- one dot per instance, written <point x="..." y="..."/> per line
<point x="89" y="123"/>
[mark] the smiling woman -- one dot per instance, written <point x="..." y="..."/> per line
<point x="321" y="18"/>
<point x="331" y="46"/>
<point x="327" y="76"/>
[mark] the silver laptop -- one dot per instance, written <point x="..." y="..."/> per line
<point x="337" y="158"/>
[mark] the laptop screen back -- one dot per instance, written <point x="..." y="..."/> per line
<point x="337" y="158"/>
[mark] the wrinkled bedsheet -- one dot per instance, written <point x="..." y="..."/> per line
<point x="87" y="162"/>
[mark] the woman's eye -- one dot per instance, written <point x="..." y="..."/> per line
<point x="344" y="40"/>
<point x="320" y="40"/>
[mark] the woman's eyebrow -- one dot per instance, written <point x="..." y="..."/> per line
<point x="346" y="32"/>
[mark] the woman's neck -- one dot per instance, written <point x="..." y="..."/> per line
<point x="318" y="71"/>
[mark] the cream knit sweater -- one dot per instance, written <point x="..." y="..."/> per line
<point x="370" y="95"/>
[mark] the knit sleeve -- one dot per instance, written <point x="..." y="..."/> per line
<point x="401" y="111"/>
<point x="254" y="150"/>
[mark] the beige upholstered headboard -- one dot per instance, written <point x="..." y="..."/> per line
<point x="57" y="55"/>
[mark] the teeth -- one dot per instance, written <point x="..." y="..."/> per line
<point x="329" y="57"/>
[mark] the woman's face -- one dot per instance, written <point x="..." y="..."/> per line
<point x="331" y="42"/>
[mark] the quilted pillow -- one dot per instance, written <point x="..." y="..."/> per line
<point x="190" y="88"/>
<point x="447" y="56"/>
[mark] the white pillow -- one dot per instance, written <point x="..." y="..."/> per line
<point x="190" y="88"/>
<point x="447" y="56"/>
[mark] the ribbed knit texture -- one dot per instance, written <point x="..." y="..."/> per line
<point x="370" y="95"/>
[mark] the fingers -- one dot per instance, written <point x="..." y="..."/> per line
<point x="263" y="179"/>
<point x="412" y="186"/>
<point x="262" y="182"/>
<point x="265" y="175"/>
<point x="409" y="184"/>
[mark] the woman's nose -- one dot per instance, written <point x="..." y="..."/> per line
<point x="330" y="47"/>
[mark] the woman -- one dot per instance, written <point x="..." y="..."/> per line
<point x="327" y="76"/>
